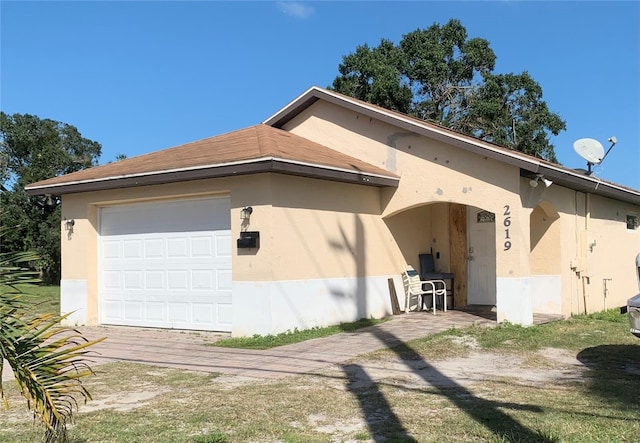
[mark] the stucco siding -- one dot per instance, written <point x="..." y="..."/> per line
<point x="431" y="172"/>
<point x="310" y="230"/>
<point x="288" y="304"/>
<point x="324" y="229"/>
<point x="546" y="294"/>
<point x="74" y="301"/>
<point x="513" y="299"/>
<point x="328" y="248"/>
<point x="586" y="244"/>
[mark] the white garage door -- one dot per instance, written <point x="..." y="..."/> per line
<point x="166" y="265"/>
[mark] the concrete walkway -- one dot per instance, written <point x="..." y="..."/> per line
<point x="188" y="349"/>
<point x="191" y="350"/>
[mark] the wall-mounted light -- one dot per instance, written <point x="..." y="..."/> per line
<point x="69" y="224"/>
<point x="49" y="200"/>
<point x="540" y="178"/>
<point x="245" y="213"/>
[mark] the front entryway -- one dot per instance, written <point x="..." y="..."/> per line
<point x="166" y="264"/>
<point x="481" y="253"/>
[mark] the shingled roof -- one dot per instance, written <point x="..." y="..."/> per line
<point x="530" y="166"/>
<point x="259" y="148"/>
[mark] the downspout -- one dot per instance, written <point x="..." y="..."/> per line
<point x="576" y="263"/>
<point x="574" y="266"/>
<point x="585" y="275"/>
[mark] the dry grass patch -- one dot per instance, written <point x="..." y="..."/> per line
<point x="561" y="383"/>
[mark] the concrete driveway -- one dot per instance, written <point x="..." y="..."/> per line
<point x="191" y="350"/>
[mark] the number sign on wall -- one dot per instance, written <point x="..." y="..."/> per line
<point x="507" y="222"/>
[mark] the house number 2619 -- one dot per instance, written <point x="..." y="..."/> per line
<point x="507" y="222"/>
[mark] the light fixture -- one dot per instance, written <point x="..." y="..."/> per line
<point x="540" y="178"/>
<point x="245" y="213"/>
<point x="68" y="224"/>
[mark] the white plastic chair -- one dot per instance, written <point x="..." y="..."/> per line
<point x="415" y="287"/>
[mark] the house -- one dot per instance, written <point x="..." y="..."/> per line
<point x="308" y="219"/>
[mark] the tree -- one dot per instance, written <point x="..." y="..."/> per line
<point x="34" y="149"/>
<point x="440" y="75"/>
<point x="373" y="75"/>
<point x="508" y="110"/>
<point x="48" y="360"/>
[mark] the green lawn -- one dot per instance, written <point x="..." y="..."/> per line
<point x="370" y="399"/>
<point x="47" y="297"/>
<point x="295" y="336"/>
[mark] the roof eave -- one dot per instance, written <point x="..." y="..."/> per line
<point x="255" y="167"/>
<point x="560" y="175"/>
<point x="583" y="183"/>
<point x="468" y="143"/>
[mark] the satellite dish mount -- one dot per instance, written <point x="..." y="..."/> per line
<point x="592" y="151"/>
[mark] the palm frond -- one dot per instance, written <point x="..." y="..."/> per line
<point x="48" y="360"/>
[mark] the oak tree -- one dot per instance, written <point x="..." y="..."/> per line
<point x="34" y="149"/>
<point x="440" y="75"/>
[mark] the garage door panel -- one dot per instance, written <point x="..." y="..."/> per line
<point x="153" y="248"/>
<point x="202" y="279"/>
<point x="111" y="280"/>
<point x="154" y="280"/>
<point x="155" y="311"/>
<point x="111" y="310"/>
<point x="224" y="314"/>
<point x="159" y="275"/>
<point x="223" y="244"/>
<point x="178" y="312"/>
<point x="223" y="280"/>
<point x="111" y="250"/>
<point x="202" y="246"/>
<point x="202" y="313"/>
<point x="133" y="280"/>
<point x="167" y="217"/>
<point x="133" y="310"/>
<point x="132" y="249"/>
<point x="177" y="280"/>
<point x="177" y="248"/>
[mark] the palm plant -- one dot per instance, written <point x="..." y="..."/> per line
<point x="48" y="360"/>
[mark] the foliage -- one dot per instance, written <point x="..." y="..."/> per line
<point x="296" y="336"/>
<point x="440" y="75"/>
<point x="34" y="149"/>
<point x="48" y="360"/>
<point x="212" y="437"/>
<point x="575" y="333"/>
<point x="593" y="398"/>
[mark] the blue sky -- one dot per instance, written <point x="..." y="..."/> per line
<point x="142" y="76"/>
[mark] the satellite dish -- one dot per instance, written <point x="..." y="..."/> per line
<point x="592" y="151"/>
<point x="589" y="149"/>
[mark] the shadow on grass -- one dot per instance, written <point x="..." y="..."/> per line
<point x="486" y="412"/>
<point x="614" y="372"/>
<point x="381" y="420"/>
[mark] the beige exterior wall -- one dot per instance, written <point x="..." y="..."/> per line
<point x="584" y="239"/>
<point x="610" y="250"/>
<point x="567" y="242"/>
<point x="430" y="171"/>
<point x="80" y="249"/>
<point x="323" y="229"/>
<point x="309" y="229"/>
<point x="325" y="243"/>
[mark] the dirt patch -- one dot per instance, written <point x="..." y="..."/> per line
<point x="559" y="366"/>
<point x="122" y="402"/>
<point x="549" y="365"/>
